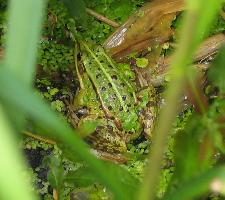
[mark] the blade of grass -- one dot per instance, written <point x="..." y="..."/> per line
<point x="14" y="184"/>
<point x="22" y="37"/>
<point x="20" y="55"/>
<point x="122" y="184"/>
<point x="199" y="185"/>
<point x="196" y="26"/>
<point x="25" y="17"/>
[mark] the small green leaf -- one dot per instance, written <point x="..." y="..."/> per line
<point x="53" y="91"/>
<point x="57" y="105"/>
<point x="142" y="62"/>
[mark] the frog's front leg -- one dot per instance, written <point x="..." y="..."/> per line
<point x="147" y="109"/>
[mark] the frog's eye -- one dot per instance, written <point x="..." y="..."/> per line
<point x="81" y="112"/>
<point x="124" y="97"/>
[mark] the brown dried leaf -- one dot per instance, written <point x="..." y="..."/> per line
<point x="149" y="26"/>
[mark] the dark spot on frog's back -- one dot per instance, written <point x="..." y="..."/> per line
<point x="98" y="69"/>
<point x="124" y="97"/>
<point x="114" y="77"/>
<point x="98" y="76"/>
<point x="123" y="84"/>
<point x="110" y="85"/>
<point x="103" y="89"/>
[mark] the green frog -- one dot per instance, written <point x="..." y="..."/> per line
<point x="109" y="95"/>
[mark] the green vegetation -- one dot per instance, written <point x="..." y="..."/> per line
<point x="96" y="128"/>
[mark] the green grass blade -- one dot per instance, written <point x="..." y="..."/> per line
<point x="196" y="26"/>
<point x="199" y="185"/>
<point x="122" y="184"/>
<point x="25" y="17"/>
<point x="14" y="184"/>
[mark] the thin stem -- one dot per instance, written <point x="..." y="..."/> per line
<point x="38" y="137"/>
<point x="102" y="18"/>
<point x="76" y="67"/>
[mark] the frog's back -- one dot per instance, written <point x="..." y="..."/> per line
<point x="114" y="89"/>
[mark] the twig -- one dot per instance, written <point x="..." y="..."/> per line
<point x="102" y="18"/>
<point x="76" y="66"/>
<point x="38" y="137"/>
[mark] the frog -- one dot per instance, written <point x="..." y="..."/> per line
<point x="109" y="94"/>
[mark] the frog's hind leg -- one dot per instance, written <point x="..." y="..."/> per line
<point x="150" y="115"/>
<point x="116" y="158"/>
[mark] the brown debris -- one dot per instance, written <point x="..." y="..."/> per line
<point x="206" y="50"/>
<point x="149" y="26"/>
